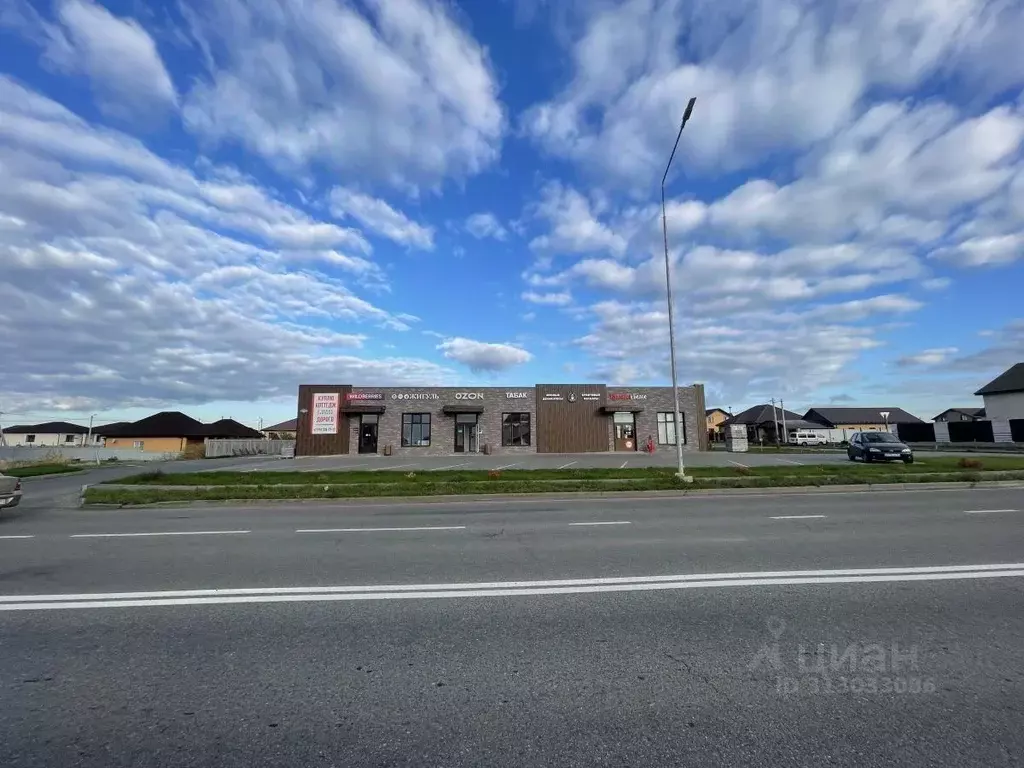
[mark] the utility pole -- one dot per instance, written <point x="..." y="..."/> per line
<point x="775" y="422"/>
<point x="681" y="469"/>
<point x="3" y="440"/>
<point x="785" y="430"/>
<point x="88" y="439"/>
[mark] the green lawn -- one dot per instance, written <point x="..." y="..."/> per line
<point x="40" y="469"/>
<point x="929" y="464"/>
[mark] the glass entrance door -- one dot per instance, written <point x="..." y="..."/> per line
<point x="465" y="433"/>
<point x="368" y="433"/>
<point x="625" y="431"/>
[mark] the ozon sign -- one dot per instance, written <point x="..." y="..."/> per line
<point x="469" y="396"/>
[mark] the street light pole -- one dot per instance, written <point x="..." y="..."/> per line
<point x="681" y="470"/>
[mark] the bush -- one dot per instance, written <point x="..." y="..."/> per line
<point x="744" y="471"/>
<point x="969" y="464"/>
<point x="494" y="474"/>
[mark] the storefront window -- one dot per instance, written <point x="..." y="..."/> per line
<point x="415" y="430"/>
<point x="515" y="429"/>
<point x="667" y="428"/>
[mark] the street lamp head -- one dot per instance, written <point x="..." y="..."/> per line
<point x="689" y="109"/>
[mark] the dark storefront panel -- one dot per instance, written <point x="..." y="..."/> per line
<point x="970" y="432"/>
<point x="1017" y="430"/>
<point x="569" y="418"/>
<point x="308" y="444"/>
<point x="916" y="433"/>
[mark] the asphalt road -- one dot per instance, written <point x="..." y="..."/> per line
<point x="736" y="631"/>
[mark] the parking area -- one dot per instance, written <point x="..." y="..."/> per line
<point x="545" y="461"/>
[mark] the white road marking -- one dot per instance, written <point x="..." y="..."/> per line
<point x="738" y="464"/>
<point x="605" y="522"/>
<point x="987" y="511"/>
<point x="564" y="466"/>
<point x="154" y="533"/>
<point x="790" y="461"/>
<point x="623" y="465"/>
<point x="795" y="517"/>
<point x="396" y="466"/>
<point x="17" y="537"/>
<point x="451" y="466"/>
<point x="502" y="589"/>
<point x="508" y="466"/>
<point x="373" y="530"/>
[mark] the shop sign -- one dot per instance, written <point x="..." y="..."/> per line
<point x="414" y="396"/>
<point x="626" y="396"/>
<point x="364" y="396"/>
<point x="591" y="396"/>
<point x="517" y="395"/>
<point x="469" y="396"/>
<point x="550" y="396"/>
<point x="325" y="413"/>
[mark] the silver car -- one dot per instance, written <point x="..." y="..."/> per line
<point x="10" y="491"/>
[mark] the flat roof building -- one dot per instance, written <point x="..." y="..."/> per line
<point x="335" y="419"/>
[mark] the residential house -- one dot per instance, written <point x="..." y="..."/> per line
<point x="715" y="418"/>
<point x="961" y="414"/>
<point x="229" y="429"/>
<point x="843" y="422"/>
<point x="164" y="432"/>
<point x="768" y="424"/>
<point x="1004" y="395"/>
<point x="286" y="430"/>
<point x="51" y="433"/>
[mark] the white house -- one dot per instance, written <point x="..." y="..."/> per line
<point x="53" y="433"/>
<point x="1004" y="395"/>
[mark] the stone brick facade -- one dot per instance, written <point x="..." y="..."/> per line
<point x="495" y="402"/>
<point x="655" y="400"/>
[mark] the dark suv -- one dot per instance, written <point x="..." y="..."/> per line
<point x="878" y="446"/>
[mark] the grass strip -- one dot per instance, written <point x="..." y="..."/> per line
<point x="40" y="469"/>
<point x="337" y="477"/>
<point x="142" y="495"/>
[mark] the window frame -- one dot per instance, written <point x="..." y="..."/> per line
<point x="30" y="438"/>
<point x="510" y="441"/>
<point x="69" y="439"/>
<point x="418" y="418"/>
<point x="659" y="422"/>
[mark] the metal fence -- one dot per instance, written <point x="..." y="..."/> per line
<point x="217" y="449"/>
<point x="43" y="453"/>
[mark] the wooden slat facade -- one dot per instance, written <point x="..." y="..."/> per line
<point x="308" y="444"/>
<point x="574" y="423"/>
<point x="703" y="439"/>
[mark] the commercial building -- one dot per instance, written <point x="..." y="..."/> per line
<point x="338" y="419"/>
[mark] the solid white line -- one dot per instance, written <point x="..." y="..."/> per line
<point x="602" y="522"/>
<point x="155" y="533"/>
<point x="567" y="465"/>
<point x="17" y="537"/>
<point x="795" y="517"/>
<point x="987" y="511"/>
<point x="508" y="466"/>
<point x="453" y="466"/>
<point x="374" y="530"/>
<point x="395" y="466"/>
<point x="57" y="602"/>
<point x="738" y="464"/>
<point x="623" y="466"/>
<point x="789" y="461"/>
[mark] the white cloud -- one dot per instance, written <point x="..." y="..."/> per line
<point x="985" y="251"/>
<point x="559" y="299"/>
<point x="486" y="224"/>
<point x="574" y="227"/>
<point x="129" y="280"/>
<point x="936" y="283"/>
<point x="381" y="218"/>
<point x="401" y="95"/>
<point x="484" y="356"/>
<point x="934" y="356"/>
<point x="770" y="77"/>
<point x="118" y="56"/>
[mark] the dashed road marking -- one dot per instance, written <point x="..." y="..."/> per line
<point x="604" y="522"/>
<point x="987" y="511"/>
<point x="796" y="517"/>
<point x="17" y="537"/>
<point x="564" y="466"/>
<point x="380" y="530"/>
<point x="738" y="464"/>
<point x="154" y="533"/>
<point x="450" y="466"/>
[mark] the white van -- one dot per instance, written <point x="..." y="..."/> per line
<point x="807" y="438"/>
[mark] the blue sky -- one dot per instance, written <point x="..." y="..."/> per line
<point x="207" y="203"/>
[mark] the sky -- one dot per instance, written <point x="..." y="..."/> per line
<point x="205" y="204"/>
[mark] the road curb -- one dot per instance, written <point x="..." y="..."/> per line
<point x="554" y="496"/>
